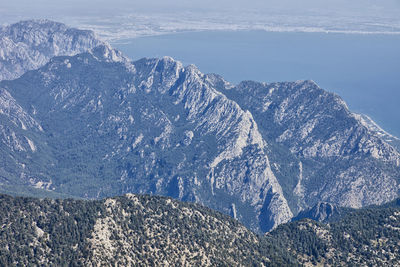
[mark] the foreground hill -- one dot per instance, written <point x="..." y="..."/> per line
<point x="150" y="230"/>
<point x="366" y="237"/>
<point x="126" y="231"/>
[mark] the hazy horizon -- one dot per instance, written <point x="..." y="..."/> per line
<point x="118" y="6"/>
<point x="23" y="9"/>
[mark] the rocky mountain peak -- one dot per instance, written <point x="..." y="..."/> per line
<point x="27" y="45"/>
<point x="105" y="52"/>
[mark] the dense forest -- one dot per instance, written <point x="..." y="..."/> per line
<point x="365" y="237"/>
<point x="129" y="230"/>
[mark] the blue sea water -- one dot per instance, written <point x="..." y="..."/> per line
<point x="363" y="69"/>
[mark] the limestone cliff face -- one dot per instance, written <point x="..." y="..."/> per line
<point x="17" y="143"/>
<point x="340" y="157"/>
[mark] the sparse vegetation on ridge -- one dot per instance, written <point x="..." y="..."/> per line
<point x="130" y="230"/>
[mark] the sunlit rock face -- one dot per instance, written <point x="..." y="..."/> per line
<point x="340" y="157"/>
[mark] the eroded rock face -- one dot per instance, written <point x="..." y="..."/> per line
<point x="339" y="156"/>
<point x="324" y="212"/>
<point x="28" y="45"/>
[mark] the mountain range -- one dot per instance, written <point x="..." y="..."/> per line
<point x="84" y="121"/>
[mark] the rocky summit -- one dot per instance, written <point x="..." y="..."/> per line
<point x="95" y="125"/>
<point x="30" y="44"/>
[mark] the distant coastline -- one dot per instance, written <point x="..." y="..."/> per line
<point x="153" y="26"/>
<point x="114" y="28"/>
